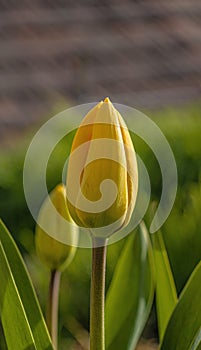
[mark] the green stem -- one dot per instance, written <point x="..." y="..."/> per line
<point x="97" y="299"/>
<point x="52" y="307"/>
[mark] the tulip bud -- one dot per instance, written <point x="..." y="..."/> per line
<point x="102" y="177"/>
<point x="54" y="254"/>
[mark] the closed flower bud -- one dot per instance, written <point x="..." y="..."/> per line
<point x="53" y="253"/>
<point x="102" y="177"/>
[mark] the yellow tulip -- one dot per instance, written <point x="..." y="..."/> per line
<point x="103" y="160"/>
<point x="53" y="253"/>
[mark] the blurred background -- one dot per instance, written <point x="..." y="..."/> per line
<point x="141" y="53"/>
<point x="144" y="53"/>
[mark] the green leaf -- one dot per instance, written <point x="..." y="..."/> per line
<point x="183" y="330"/>
<point x="196" y="345"/>
<point x="130" y="295"/>
<point x="3" y="345"/>
<point x="166" y="294"/>
<point x="16" y="327"/>
<point x="17" y="278"/>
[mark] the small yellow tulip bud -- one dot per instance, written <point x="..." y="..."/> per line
<point x="54" y="254"/>
<point x="102" y="177"/>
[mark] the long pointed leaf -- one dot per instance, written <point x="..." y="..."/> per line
<point x="25" y="290"/>
<point x="16" y="327"/>
<point x="166" y="295"/>
<point x="183" y="330"/>
<point x="130" y="295"/>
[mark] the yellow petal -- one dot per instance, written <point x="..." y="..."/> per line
<point x="109" y="170"/>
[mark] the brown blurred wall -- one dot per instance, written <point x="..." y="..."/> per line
<point x="141" y="53"/>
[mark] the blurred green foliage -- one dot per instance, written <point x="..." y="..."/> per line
<point x="182" y="232"/>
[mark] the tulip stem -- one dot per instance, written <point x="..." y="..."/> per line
<point x="97" y="299"/>
<point x="52" y="307"/>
